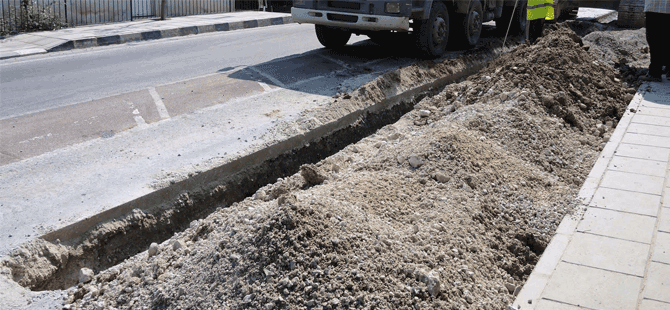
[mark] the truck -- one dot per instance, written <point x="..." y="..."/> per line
<point x="430" y="23"/>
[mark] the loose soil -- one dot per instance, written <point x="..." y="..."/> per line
<point x="448" y="208"/>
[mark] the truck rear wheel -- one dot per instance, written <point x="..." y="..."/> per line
<point x="470" y="25"/>
<point x="332" y="37"/>
<point x="432" y="34"/>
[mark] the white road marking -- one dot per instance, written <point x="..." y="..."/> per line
<point x="267" y="76"/>
<point x="337" y="61"/>
<point x="266" y="87"/>
<point x="162" y="111"/>
<point x="307" y="80"/>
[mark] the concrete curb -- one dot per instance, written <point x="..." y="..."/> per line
<point x="169" y="33"/>
<point x="532" y="290"/>
<point x="151" y="35"/>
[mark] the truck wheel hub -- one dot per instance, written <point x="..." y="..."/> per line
<point x="474" y="23"/>
<point x="439" y="30"/>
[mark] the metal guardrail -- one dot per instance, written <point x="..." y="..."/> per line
<point x="17" y="13"/>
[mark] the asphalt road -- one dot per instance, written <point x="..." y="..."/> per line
<point x="44" y="82"/>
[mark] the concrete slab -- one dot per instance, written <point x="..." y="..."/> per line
<point x="664" y="220"/>
<point x="620" y="200"/>
<point x="658" y="282"/>
<point x="637" y="165"/>
<point x="655" y="100"/>
<point x="649" y="129"/>
<point x="652" y="120"/>
<point x="645" y="139"/>
<point x="654" y="111"/>
<point x="626" y="226"/>
<point x="633" y="182"/>
<point x="607" y="253"/>
<point x="592" y="288"/>
<point x="545" y="304"/>
<point x="648" y="304"/>
<point x="289" y="71"/>
<point x="644" y="152"/>
<point x="661" y="248"/>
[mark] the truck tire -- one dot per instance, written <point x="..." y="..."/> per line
<point x="433" y="34"/>
<point x="469" y="25"/>
<point x="332" y="37"/>
<point x="517" y="16"/>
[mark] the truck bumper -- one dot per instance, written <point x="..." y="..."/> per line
<point x="355" y="21"/>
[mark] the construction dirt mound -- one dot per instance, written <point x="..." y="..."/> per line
<point x="449" y="208"/>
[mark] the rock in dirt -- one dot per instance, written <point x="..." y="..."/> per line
<point x="85" y="275"/>
<point x="415" y="162"/>
<point x="153" y="249"/>
<point x="313" y="175"/>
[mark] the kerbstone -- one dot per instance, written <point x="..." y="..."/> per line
<point x="626" y="226"/>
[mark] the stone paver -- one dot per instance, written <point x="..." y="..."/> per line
<point x="626" y="226"/>
<point x="644" y="152"/>
<point x="644" y="139"/>
<point x="633" y="182"/>
<point x="552" y="305"/>
<point x="595" y="251"/>
<point x="661" y="252"/>
<point x="652" y="120"/>
<point x="664" y="221"/>
<point x="658" y="282"/>
<point x="648" y="304"/>
<point x="592" y="288"/>
<point x="649" y="129"/>
<point x="655" y="112"/>
<point x="621" y="200"/>
<point x="637" y="165"/>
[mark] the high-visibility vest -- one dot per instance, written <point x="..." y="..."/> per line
<point x="537" y="9"/>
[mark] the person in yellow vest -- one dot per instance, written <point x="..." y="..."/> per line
<point x="537" y="12"/>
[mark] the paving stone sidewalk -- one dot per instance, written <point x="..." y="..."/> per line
<point x="616" y="255"/>
<point x="148" y="29"/>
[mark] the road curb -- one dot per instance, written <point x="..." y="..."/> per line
<point x="150" y="35"/>
<point x="169" y="33"/>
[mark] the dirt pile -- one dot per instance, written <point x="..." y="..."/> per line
<point x="449" y="208"/>
<point x="624" y="49"/>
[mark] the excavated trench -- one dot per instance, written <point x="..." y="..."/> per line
<point x="53" y="261"/>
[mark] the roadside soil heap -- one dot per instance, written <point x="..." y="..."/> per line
<point x="448" y="208"/>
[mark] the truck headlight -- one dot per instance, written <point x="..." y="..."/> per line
<point x="392" y="7"/>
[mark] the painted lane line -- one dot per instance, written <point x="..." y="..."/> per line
<point x="298" y="83"/>
<point x="269" y="77"/>
<point x="162" y="111"/>
<point x="337" y="61"/>
<point x="266" y="87"/>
